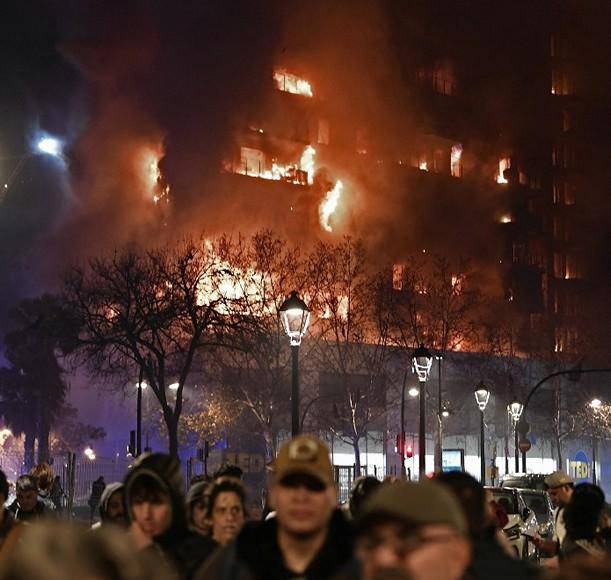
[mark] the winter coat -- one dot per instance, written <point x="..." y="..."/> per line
<point x="39" y="511"/>
<point x="255" y="554"/>
<point x="185" y="550"/>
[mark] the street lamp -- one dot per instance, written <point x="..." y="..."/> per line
<point x="515" y="409"/>
<point x="413" y="392"/>
<point x="482" y="394"/>
<point x="173" y="387"/>
<point x="596" y="403"/>
<point x="141" y="385"/>
<point x="295" y="317"/>
<point x="422" y="360"/>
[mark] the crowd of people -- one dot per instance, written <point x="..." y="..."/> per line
<point x="445" y="528"/>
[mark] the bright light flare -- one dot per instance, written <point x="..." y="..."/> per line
<point x="148" y="166"/>
<point x="89" y="453"/>
<point x="173" y="387"/>
<point x="50" y="146"/>
<point x="413" y="392"/>
<point x="596" y="403"/>
<point x="329" y="205"/>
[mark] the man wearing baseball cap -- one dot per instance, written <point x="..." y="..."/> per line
<point x="308" y="538"/>
<point x="412" y="530"/>
<point x="559" y="485"/>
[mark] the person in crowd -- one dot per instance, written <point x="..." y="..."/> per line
<point x="228" y="470"/>
<point x="582" y="519"/>
<point x="27" y="505"/>
<point x="156" y="511"/>
<point x="9" y="527"/>
<point x="560" y="488"/>
<point x="97" y="489"/>
<point x="415" y="531"/>
<point x="112" y="506"/>
<point x="584" y="568"/>
<point x="490" y="558"/>
<point x="225" y="509"/>
<point x="44" y="475"/>
<point x="361" y="490"/>
<point x="196" y="508"/>
<point x="57" y="494"/>
<point x="59" y="551"/>
<point x="308" y="538"/>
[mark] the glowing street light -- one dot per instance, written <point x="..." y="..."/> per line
<point x="295" y="317"/>
<point x="482" y="395"/>
<point x="173" y="387"/>
<point x="413" y="392"/>
<point x="89" y="454"/>
<point x="422" y="361"/>
<point x="49" y="146"/>
<point x="596" y="403"/>
<point x="515" y="410"/>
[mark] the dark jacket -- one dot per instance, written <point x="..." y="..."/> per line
<point x="489" y="560"/>
<point x="255" y="554"/>
<point x="185" y="550"/>
<point x="9" y="529"/>
<point x="39" y="511"/>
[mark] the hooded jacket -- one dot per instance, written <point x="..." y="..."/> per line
<point x="185" y="550"/>
<point x="255" y="554"/>
<point x="109" y="490"/>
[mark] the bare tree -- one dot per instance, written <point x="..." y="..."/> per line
<point x="147" y="314"/>
<point x="351" y="339"/>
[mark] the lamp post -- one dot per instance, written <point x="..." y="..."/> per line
<point x="140" y="386"/>
<point x="515" y="409"/>
<point x="482" y="394"/>
<point x="595" y="405"/>
<point x="295" y="317"/>
<point x="422" y="360"/>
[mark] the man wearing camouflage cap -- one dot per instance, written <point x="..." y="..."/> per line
<point x="560" y="488"/>
<point x="412" y="530"/>
<point x="308" y="538"/>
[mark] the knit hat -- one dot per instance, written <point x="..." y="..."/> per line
<point x="418" y="504"/>
<point x="304" y="455"/>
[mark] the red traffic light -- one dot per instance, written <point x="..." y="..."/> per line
<point x="409" y="451"/>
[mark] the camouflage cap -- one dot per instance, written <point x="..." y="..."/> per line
<point x="307" y="455"/>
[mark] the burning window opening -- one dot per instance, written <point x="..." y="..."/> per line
<point x="337" y="306"/>
<point x="506" y="218"/>
<point x="457" y="281"/>
<point x="254" y="164"/>
<point x="291" y="83"/>
<point x="561" y="83"/>
<point x="456" y="160"/>
<point x="329" y="204"/>
<point x="504" y="165"/>
<point x="398" y="274"/>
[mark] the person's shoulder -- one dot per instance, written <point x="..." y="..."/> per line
<point x="223" y="564"/>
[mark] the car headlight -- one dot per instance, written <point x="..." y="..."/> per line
<point x="513" y="532"/>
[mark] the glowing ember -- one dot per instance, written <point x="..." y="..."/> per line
<point x="329" y="205"/>
<point x="504" y="164"/>
<point x="455" y="160"/>
<point x="290" y="83"/>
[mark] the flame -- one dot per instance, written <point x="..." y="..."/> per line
<point x="290" y="83"/>
<point x="306" y="163"/>
<point x="329" y="205"/>
<point x="151" y="174"/>
<point x="455" y="157"/>
<point x="423" y="166"/>
<point x="504" y="164"/>
<point x="506" y="219"/>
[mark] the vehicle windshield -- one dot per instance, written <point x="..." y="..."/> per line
<point x="506" y="500"/>
<point x="524" y="482"/>
<point x="537" y="503"/>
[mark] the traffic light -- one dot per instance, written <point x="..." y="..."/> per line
<point x="409" y="451"/>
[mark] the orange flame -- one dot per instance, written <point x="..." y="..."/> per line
<point x="291" y="83"/>
<point x="504" y="164"/>
<point x="152" y="178"/>
<point x="329" y="205"/>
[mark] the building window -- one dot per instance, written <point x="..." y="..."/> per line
<point x="252" y="161"/>
<point x="323" y="132"/>
<point x="572" y="268"/>
<point x="557" y="227"/>
<point x="567" y="120"/>
<point x="570" y="194"/>
<point x="561" y="83"/>
<point x="291" y="83"/>
<point x="398" y="273"/>
<point x="439" y="161"/>
<point x="559" y="265"/>
<point x="456" y="160"/>
<point x="557" y="192"/>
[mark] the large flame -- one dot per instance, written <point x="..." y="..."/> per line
<point x="329" y="205"/>
<point x="291" y="83"/>
<point x="306" y="163"/>
<point x="455" y="160"/>
<point x="151" y="175"/>
<point x="299" y="173"/>
<point x="504" y="164"/>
